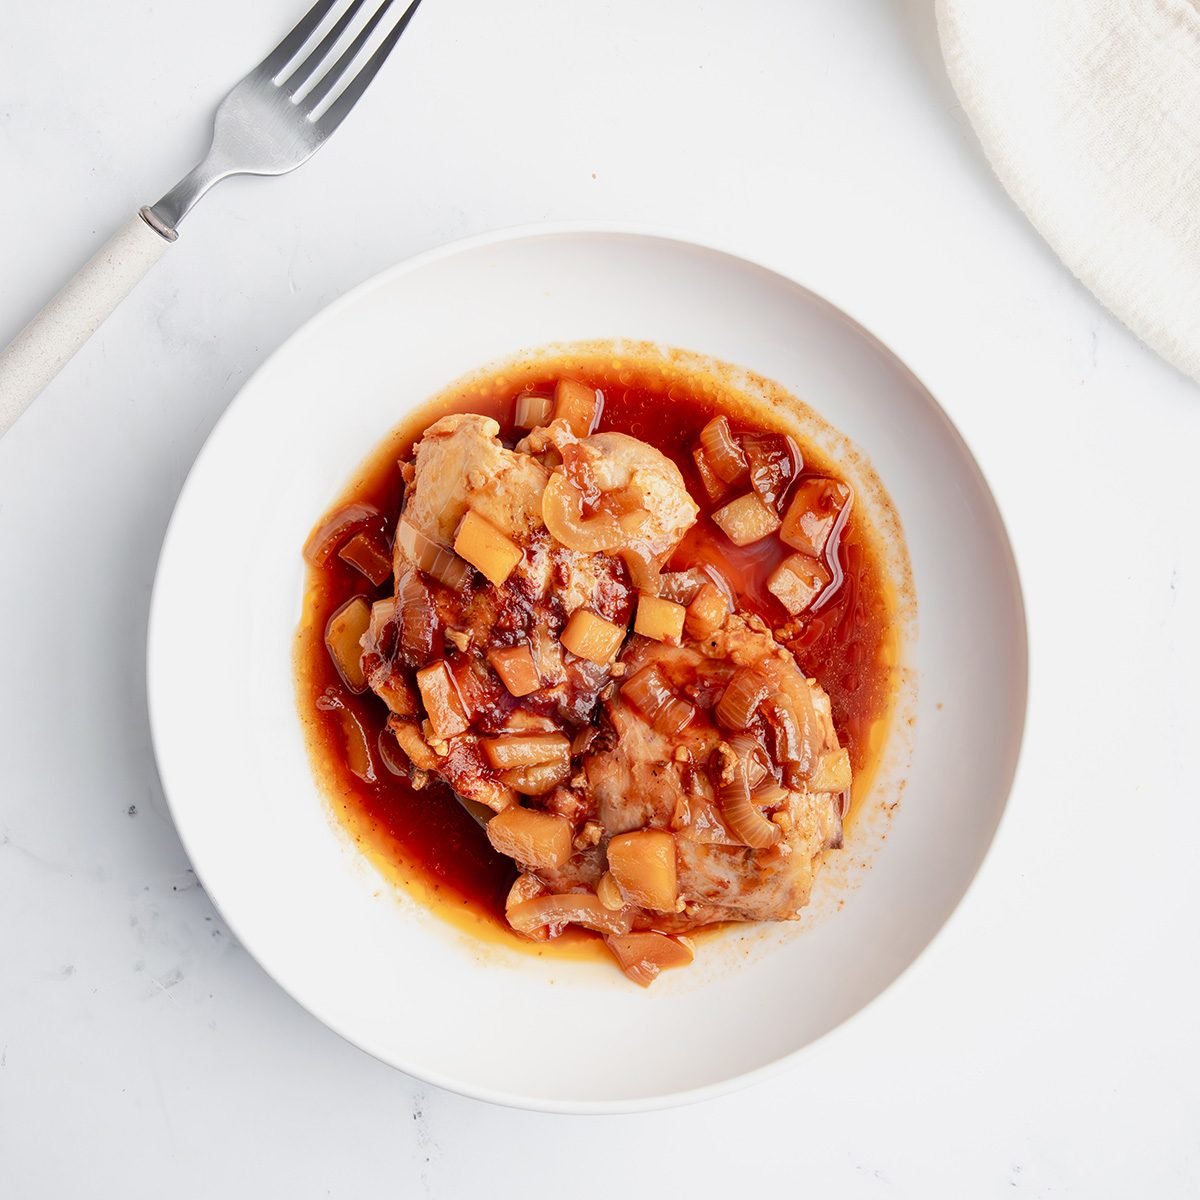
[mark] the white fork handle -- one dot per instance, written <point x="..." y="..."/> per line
<point x="47" y="343"/>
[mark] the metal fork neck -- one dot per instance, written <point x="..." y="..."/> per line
<point x="164" y="216"/>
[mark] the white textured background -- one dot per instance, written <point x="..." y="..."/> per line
<point x="1047" y="1045"/>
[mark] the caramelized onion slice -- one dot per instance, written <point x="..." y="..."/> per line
<point x="769" y="793"/>
<point x="774" y="461"/>
<point x="794" y="724"/>
<point x="745" y="821"/>
<point x="418" y="621"/>
<point x="343" y="639"/>
<point x="582" y="908"/>
<point x="533" y="411"/>
<point x="682" y="586"/>
<point x="746" y="691"/>
<point x="643" y="568"/>
<point x="644" y="956"/>
<point x="653" y="697"/>
<point x="538" y="778"/>
<point x="369" y="554"/>
<point x="336" y="528"/>
<point x="715" y="488"/>
<point x="724" y="455"/>
<point x="408" y="737"/>
<point x="562" y="511"/>
<point x="432" y="558"/>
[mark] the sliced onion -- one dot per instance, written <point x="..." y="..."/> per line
<point x="533" y="411"/>
<point x="721" y="450"/>
<point x="444" y="565"/>
<point x="336" y="528"/>
<point x="769" y="793"/>
<point x="643" y="568"/>
<point x="751" y="751"/>
<point x="562" y="510"/>
<point x="418" y="621"/>
<point x="682" y="586"/>
<point x="390" y="754"/>
<point x="774" y="461"/>
<point x="720" y="582"/>
<point x="794" y="726"/>
<point x="581" y="908"/>
<point x="746" y="691"/>
<point x="745" y="821"/>
<point x="654" y="698"/>
<point x="643" y="956"/>
<point x="358" y="750"/>
<point x="538" y="778"/>
<point x="584" y="739"/>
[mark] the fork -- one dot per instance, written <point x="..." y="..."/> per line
<point x="268" y="125"/>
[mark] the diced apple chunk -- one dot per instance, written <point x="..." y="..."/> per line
<point x="797" y="582"/>
<point x="832" y="772"/>
<point x="492" y="553"/>
<point x="535" y="839"/>
<point x="343" y="639"/>
<point x="538" y="778"/>
<point x="525" y="749"/>
<point x="707" y="612"/>
<point x="659" y="619"/>
<point x="592" y="637"/>
<point x="643" y="864"/>
<point x="746" y="519"/>
<point x="816" y="507"/>
<point x="516" y="669"/>
<point x="441" y="699"/>
<point x="714" y="486"/>
<point x="579" y="405"/>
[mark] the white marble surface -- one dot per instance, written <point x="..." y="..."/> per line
<point x="1046" y="1045"/>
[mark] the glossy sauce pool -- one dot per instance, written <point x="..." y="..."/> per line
<point x="425" y="839"/>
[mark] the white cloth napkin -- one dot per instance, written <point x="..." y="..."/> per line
<point x="1089" y="112"/>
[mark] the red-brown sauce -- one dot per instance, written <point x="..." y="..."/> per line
<point x="426" y="838"/>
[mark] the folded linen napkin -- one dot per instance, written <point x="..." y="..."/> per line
<point x="1089" y="112"/>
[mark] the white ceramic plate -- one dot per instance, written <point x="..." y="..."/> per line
<point x="368" y="960"/>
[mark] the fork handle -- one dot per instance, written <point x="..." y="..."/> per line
<point x="48" y="342"/>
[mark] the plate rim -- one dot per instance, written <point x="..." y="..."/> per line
<point x="533" y="231"/>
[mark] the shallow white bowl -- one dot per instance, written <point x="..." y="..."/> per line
<point x="367" y="959"/>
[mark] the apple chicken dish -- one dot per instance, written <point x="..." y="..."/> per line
<point x="600" y="658"/>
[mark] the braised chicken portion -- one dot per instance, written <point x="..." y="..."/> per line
<point x="632" y="734"/>
<point x="499" y="630"/>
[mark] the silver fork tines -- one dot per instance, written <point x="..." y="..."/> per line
<point x="268" y="124"/>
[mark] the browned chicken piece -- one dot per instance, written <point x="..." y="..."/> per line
<point x="647" y="778"/>
<point x="461" y="464"/>
<point x="633" y="479"/>
<point x="458" y="637"/>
